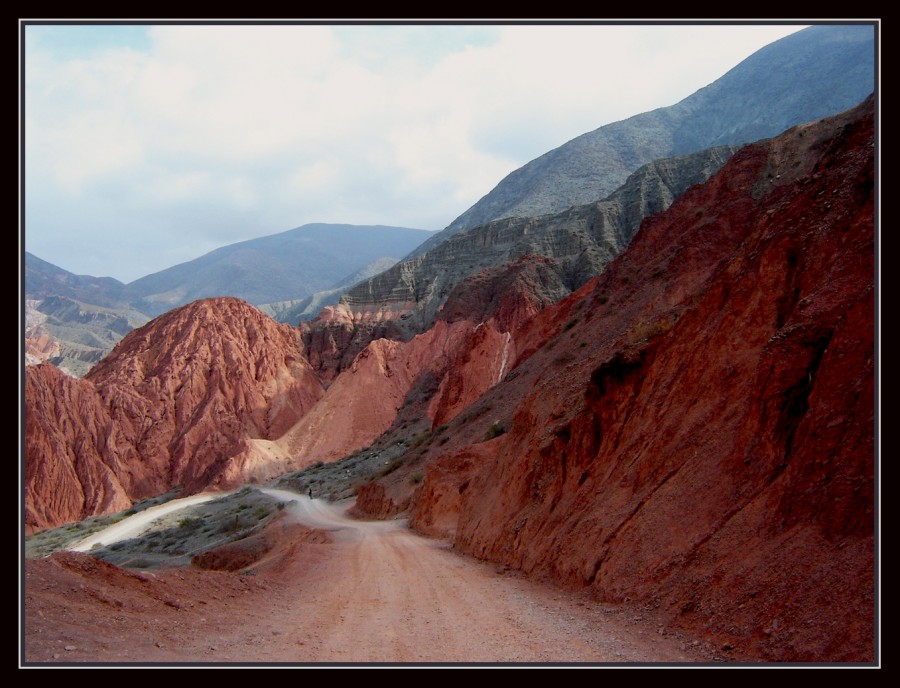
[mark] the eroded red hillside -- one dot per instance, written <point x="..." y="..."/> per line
<point x="78" y="463"/>
<point x="698" y="432"/>
<point x="434" y="375"/>
<point x="193" y="399"/>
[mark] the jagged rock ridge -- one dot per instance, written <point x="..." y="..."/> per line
<point x="583" y="239"/>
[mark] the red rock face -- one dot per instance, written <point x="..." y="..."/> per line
<point x="193" y="399"/>
<point x="698" y="433"/>
<point x="201" y="382"/>
<point x="78" y="463"/>
<point x="364" y="400"/>
<point x="693" y="430"/>
<point x="450" y="365"/>
<point x="40" y="347"/>
<point x="337" y="336"/>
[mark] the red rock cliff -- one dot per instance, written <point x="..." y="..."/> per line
<point x="698" y="433"/>
<point x="78" y="463"/>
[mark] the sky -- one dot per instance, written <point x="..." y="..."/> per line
<point x="146" y="146"/>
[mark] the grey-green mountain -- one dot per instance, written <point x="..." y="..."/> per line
<point x="280" y="267"/>
<point x="814" y="73"/>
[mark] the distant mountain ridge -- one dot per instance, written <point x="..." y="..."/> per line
<point x="814" y="73"/>
<point x="43" y="279"/>
<point x="280" y="267"/>
<point x="582" y="240"/>
<point x="76" y="319"/>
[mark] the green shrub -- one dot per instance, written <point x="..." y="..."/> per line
<point x="190" y="523"/>
<point x="495" y="430"/>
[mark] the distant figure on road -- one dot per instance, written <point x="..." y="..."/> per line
<point x="310" y="493"/>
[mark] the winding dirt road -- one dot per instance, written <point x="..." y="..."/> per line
<point x="375" y="592"/>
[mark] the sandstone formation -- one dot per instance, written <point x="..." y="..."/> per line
<point x="204" y="379"/>
<point x="434" y="375"/>
<point x="191" y="400"/>
<point x="78" y="463"/>
<point x="697" y="431"/>
<point x="40" y="345"/>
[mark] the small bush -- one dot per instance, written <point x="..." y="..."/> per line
<point x="495" y="430"/>
<point x="416" y="478"/>
<point x="564" y="358"/>
<point x="389" y="468"/>
<point x="190" y="523"/>
<point x="419" y="439"/>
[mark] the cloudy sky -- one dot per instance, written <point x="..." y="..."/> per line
<point x="147" y="146"/>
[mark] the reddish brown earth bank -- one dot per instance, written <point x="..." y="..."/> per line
<point x="696" y="431"/>
<point x="668" y="434"/>
<point x="190" y="400"/>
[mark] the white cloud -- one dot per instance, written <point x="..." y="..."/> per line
<point x="203" y="135"/>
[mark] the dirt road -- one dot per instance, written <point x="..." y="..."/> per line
<point x="134" y="525"/>
<point x="374" y="593"/>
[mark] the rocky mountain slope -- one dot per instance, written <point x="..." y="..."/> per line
<point x="670" y="433"/>
<point x="289" y="265"/>
<point x="665" y="434"/>
<point x="552" y="206"/>
<point x="74" y="320"/>
<point x="582" y="240"/>
<point x="74" y="335"/>
<point x="295" y="311"/>
<point x="808" y="75"/>
<point x="193" y="400"/>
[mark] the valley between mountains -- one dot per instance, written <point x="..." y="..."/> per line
<point x="331" y="589"/>
<point x="639" y="429"/>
